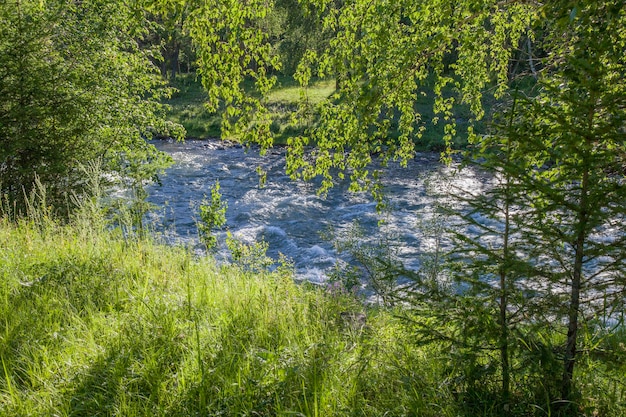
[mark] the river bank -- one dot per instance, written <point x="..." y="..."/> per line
<point x="187" y="108"/>
<point x="96" y="322"/>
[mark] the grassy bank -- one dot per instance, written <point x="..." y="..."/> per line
<point x="93" y="324"/>
<point x="187" y="109"/>
<point x="96" y="323"/>
<point x="187" y="106"/>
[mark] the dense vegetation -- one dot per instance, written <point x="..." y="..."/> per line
<point x="99" y="323"/>
<point x="76" y="87"/>
<point x="525" y="319"/>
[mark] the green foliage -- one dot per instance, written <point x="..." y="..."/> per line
<point x="300" y="31"/>
<point x="388" y="56"/>
<point x="77" y="87"/>
<point x="569" y="139"/>
<point x="372" y="266"/>
<point x="544" y="246"/>
<point x="231" y="48"/>
<point x="212" y="217"/>
<point x="167" y="33"/>
<point x="95" y="323"/>
<point x="250" y="257"/>
<point x="98" y="322"/>
<point x="385" y="59"/>
<point x="187" y="107"/>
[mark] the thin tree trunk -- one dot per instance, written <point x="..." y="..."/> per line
<point x="531" y="63"/>
<point x="582" y="219"/>
<point x="504" y="271"/>
<point x="504" y="294"/>
<point x="577" y="278"/>
<point x="174" y="63"/>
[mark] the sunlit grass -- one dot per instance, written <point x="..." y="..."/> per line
<point x="96" y="324"/>
<point x="187" y="105"/>
<point x="289" y="92"/>
<point x="99" y="322"/>
<point x="187" y="108"/>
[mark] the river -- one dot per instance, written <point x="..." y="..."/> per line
<point x="289" y="215"/>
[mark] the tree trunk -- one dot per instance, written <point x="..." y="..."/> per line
<point x="575" y="289"/>
<point x="504" y="272"/>
<point x="504" y="325"/>
<point x="531" y="62"/>
<point x="174" y="61"/>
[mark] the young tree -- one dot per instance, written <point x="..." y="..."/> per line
<point x="76" y="87"/>
<point x="558" y="203"/>
<point x="571" y="137"/>
<point x="212" y="217"/>
<point x="488" y="265"/>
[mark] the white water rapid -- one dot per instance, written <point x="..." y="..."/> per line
<point x="289" y="215"/>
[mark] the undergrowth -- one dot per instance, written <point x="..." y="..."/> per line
<point x="100" y="321"/>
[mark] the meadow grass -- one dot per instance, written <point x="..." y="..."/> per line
<point x="94" y="323"/>
<point x="98" y="321"/>
<point x="187" y="108"/>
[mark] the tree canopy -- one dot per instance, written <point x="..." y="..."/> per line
<point x="385" y="55"/>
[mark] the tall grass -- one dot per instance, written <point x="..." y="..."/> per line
<point x="96" y="323"/>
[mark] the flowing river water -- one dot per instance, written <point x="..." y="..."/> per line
<point x="289" y="215"/>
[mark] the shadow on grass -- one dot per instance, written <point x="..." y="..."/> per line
<point x="131" y="376"/>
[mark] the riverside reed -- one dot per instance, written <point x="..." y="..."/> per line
<point x="97" y="322"/>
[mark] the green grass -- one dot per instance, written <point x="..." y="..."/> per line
<point x="187" y="108"/>
<point x="287" y="91"/>
<point x="93" y="324"/>
<point x="187" y="105"/>
<point x="97" y="322"/>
